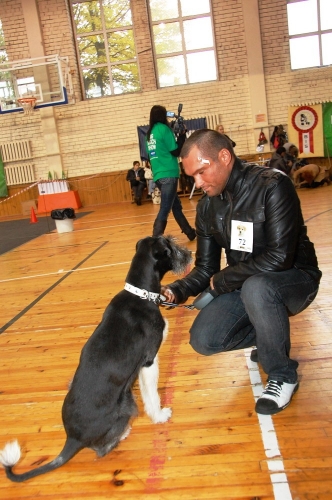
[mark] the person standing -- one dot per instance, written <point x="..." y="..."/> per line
<point x="272" y="272"/>
<point x="163" y="152"/>
<point x="220" y="128"/>
<point x="137" y="181"/>
<point x="149" y="178"/>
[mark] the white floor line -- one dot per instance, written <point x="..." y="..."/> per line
<point x="64" y="271"/>
<point x="139" y="216"/>
<point x="274" y="460"/>
<point x="141" y="223"/>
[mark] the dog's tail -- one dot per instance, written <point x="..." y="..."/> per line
<point x="11" y="454"/>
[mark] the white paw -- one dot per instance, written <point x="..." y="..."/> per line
<point x="126" y="433"/>
<point x="162" y="416"/>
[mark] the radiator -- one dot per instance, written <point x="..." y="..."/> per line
<point x="213" y="120"/>
<point x="15" y="151"/>
<point x="19" y="174"/>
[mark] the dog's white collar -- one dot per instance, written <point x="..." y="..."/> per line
<point x="144" y="294"/>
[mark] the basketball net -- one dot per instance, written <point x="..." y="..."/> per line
<point x="27" y="103"/>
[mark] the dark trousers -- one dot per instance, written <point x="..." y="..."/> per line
<point x="138" y="190"/>
<point x="257" y="315"/>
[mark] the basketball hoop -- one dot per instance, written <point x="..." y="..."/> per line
<point x="27" y="103"/>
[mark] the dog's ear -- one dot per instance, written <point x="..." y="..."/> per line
<point x="155" y="246"/>
<point x="161" y="248"/>
<point x="137" y="244"/>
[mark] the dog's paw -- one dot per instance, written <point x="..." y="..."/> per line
<point x="162" y="416"/>
<point x="126" y="433"/>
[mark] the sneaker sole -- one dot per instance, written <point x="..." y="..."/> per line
<point x="254" y="356"/>
<point x="277" y="410"/>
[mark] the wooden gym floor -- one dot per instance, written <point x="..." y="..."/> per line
<point x="54" y="290"/>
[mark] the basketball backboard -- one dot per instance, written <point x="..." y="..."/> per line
<point x="47" y="79"/>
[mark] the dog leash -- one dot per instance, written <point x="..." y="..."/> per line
<point x="169" y="305"/>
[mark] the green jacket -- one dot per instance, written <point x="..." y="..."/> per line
<point x="159" y="147"/>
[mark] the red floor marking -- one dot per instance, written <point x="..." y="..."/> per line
<point x="159" y="457"/>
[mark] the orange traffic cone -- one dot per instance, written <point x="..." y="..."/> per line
<point x="33" y="218"/>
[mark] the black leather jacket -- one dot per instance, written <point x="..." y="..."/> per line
<point x="136" y="176"/>
<point x="268" y="199"/>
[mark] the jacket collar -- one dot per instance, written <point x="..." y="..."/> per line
<point x="235" y="179"/>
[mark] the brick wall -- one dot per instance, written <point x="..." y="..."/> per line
<point x="100" y="135"/>
<point x="284" y="86"/>
<point x="14" y="29"/>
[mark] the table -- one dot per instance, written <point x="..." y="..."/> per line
<point x="49" y="202"/>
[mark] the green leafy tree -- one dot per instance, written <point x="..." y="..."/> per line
<point x="104" y="41"/>
<point x="3" y="52"/>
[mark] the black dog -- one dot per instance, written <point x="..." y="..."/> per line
<point x="99" y="405"/>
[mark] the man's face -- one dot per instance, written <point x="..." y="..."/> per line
<point x="209" y="175"/>
<point x="220" y="129"/>
<point x="136" y="166"/>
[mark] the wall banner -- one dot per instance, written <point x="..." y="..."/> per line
<point x="327" y="128"/>
<point x="3" y="184"/>
<point x="191" y="124"/>
<point x="305" y="129"/>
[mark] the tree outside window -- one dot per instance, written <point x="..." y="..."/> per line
<point x="183" y="41"/>
<point x="3" y="53"/>
<point x="106" y="47"/>
<point x="6" y="90"/>
<point x="310" y="33"/>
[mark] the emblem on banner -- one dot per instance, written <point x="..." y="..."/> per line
<point x="304" y="120"/>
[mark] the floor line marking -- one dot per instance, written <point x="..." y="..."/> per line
<point x="139" y="216"/>
<point x="64" y="271"/>
<point x="274" y="460"/>
<point x="141" y="223"/>
<point x="159" y="453"/>
<point x="48" y="290"/>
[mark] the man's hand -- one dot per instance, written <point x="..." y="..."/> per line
<point x="167" y="292"/>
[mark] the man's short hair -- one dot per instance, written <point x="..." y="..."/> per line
<point x="280" y="150"/>
<point x="209" y="142"/>
<point x="136" y="163"/>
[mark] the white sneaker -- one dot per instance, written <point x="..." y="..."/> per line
<point x="275" y="397"/>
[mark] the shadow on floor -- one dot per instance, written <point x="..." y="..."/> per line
<point x="15" y="233"/>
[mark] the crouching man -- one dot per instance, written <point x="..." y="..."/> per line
<point x="272" y="273"/>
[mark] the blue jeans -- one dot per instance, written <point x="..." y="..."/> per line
<point x="258" y="314"/>
<point x="170" y="201"/>
<point x="169" y="198"/>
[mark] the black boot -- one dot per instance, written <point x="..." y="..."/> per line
<point x="186" y="227"/>
<point x="159" y="227"/>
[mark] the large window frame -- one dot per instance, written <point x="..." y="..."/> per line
<point x="102" y="66"/>
<point x="3" y="52"/>
<point x="186" y="62"/>
<point x="5" y="91"/>
<point x="310" y="33"/>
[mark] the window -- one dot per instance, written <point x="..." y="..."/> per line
<point x="106" y="47"/>
<point x="5" y="89"/>
<point x="3" y="53"/>
<point x="183" y="41"/>
<point x="310" y="32"/>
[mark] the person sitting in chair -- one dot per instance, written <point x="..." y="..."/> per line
<point x="137" y="181"/>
